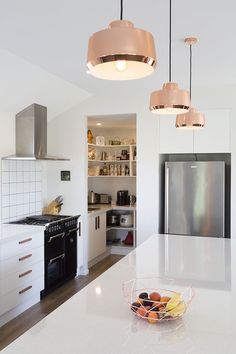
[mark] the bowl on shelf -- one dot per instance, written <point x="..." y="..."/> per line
<point x="93" y="170"/>
<point x="157" y="299"/>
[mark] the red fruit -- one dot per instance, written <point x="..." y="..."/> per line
<point x="141" y="311"/>
<point x="155" y="296"/>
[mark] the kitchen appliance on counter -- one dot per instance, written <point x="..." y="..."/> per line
<point x="104" y="198"/>
<point x="195" y="198"/>
<point x="93" y="198"/>
<point x="60" y="247"/>
<point x="122" y="197"/>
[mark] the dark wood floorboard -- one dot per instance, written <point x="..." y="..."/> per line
<point x="16" y="327"/>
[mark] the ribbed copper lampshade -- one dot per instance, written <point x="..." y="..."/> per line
<point x="190" y="120"/>
<point x="121" y="52"/>
<point x="169" y="100"/>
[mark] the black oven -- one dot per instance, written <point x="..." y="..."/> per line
<point x="60" y="250"/>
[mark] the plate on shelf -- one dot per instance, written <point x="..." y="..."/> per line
<point x="100" y="140"/>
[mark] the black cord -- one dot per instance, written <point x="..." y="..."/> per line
<point x="190" y="69"/>
<point x="170" y="35"/>
<point x="121" y="9"/>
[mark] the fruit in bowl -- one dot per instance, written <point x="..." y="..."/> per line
<point x="157" y="304"/>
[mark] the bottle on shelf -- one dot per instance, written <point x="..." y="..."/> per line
<point x="126" y="170"/>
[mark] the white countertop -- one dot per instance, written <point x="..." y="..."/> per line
<point x="98" y="320"/>
<point x="103" y="208"/>
<point x="13" y="230"/>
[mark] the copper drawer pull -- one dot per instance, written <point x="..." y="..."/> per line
<point x="25" y="257"/>
<point x="26" y="240"/>
<point x="25" y="273"/>
<point x="25" y="289"/>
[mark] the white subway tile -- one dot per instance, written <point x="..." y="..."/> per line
<point x="26" y="165"/>
<point x="19" y="187"/>
<point x="5" y="177"/>
<point x="38" y="196"/>
<point x="12" y="211"/>
<point x="20" y="176"/>
<point x="12" y="177"/>
<point x="12" y="165"/>
<point x="38" y="208"/>
<point x="32" y="208"/>
<point x="13" y="188"/>
<point x="20" y="199"/>
<point x="32" y="176"/>
<point x="38" y="177"/>
<point x="5" y="200"/>
<point x="32" y="165"/>
<point x="38" y="187"/>
<point x="12" y="199"/>
<point x="5" y="189"/>
<point x="19" y="210"/>
<point x="26" y="198"/>
<point x="38" y="166"/>
<point x="20" y="165"/>
<point x="32" y="186"/>
<point x="32" y="197"/>
<point x="5" y="165"/>
<point x="26" y="176"/>
<point x="26" y="187"/>
<point x="5" y="213"/>
<point x="26" y="209"/>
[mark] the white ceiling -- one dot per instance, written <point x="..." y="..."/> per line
<point x="53" y="34"/>
<point x="112" y="121"/>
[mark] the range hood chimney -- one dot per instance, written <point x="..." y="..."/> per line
<point x="31" y="135"/>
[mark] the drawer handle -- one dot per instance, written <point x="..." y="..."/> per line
<point x="25" y="289"/>
<point x="25" y="240"/>
<point x="25" y="257"/>
<point x="25" y="273"/>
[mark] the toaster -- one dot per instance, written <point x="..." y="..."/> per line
<point x="104" y="198"/>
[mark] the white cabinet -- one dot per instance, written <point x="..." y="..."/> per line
<point x="21" y="274"/>
<point x="213" y="138"/>
<point x="96" y="235"/>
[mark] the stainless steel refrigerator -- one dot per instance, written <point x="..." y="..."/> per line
<point x="195" y="198"/>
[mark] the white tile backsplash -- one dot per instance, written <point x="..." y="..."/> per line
<point x="21" y="189"/>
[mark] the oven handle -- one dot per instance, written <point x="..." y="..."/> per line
<point x="73" y="230"/>
<point x="56" y="258"/>
<point x="58" y="235"/>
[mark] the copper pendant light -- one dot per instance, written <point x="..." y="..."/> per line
<point x="121" y="52"/>
<point x="170" y="99"/>
<point x="192" y="119"/>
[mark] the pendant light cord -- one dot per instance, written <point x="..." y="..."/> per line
<point x="190" y="70"/>
<point x="121" y="9"/>
<point x="170" y="38"/>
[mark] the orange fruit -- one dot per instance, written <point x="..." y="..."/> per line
<point x="152" y="317"/>
<point x="165" y="299"/>
<point x="155" y="296"/>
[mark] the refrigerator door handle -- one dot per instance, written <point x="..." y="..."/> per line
<point x="166" y="227"/>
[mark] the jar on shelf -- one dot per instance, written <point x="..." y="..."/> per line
<point x="123" y="170"/>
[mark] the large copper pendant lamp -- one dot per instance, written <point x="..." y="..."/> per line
<point x="121" y="52"/>
<point x="192" y="119"/>
<point x="170" y="99"/>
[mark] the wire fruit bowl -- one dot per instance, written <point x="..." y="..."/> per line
<point x="157" y="299"/>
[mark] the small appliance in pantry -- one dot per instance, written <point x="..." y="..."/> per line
<point x="126" y="220"/>
<point x="104" y="198"/>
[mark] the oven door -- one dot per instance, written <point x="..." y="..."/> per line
<point x="54" y="271"/>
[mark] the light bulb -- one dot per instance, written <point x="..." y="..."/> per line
<point x="120" y="65"/>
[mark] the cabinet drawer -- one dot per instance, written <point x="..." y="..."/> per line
<point x="20" y="244"/>
<point x="21" y="261"/>
<point x="20" y="295"/>
<point x="21" y="278"/>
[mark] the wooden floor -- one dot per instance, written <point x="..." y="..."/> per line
<point x="30" y="317"/>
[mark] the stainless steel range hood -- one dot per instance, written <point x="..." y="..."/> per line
<point x="31" y="135"/>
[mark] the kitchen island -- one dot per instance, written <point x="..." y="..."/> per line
<point x="98" y="320"/>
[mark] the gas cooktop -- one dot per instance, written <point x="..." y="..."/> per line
<point x="39" y="219"/>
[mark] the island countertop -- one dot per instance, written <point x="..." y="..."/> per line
<point x="98" y="320"/>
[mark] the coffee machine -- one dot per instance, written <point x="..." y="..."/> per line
<point x="122" y="197"/>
